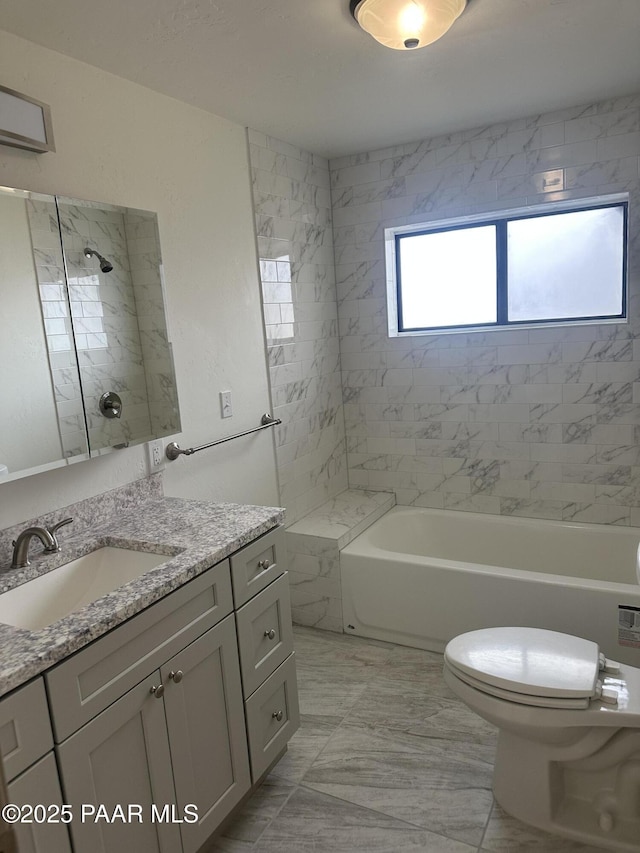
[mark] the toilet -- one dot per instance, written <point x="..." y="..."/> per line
<point x="568" y="755"/>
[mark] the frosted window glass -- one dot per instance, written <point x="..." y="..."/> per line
<point x="566" y="265"/>
<point x="448" y="278"/>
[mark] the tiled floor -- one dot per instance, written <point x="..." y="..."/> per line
<point x="386" y="760"/>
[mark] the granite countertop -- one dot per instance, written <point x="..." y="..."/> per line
<point x="194" y="535"/>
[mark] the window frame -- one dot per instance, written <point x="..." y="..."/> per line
<point x="501" y="220"/>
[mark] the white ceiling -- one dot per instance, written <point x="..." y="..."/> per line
<point x="303" y="71"/>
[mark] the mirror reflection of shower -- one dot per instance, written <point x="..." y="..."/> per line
<point x="105" y="265"/>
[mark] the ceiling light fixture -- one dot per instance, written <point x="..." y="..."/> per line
<point x="406" y="24"/>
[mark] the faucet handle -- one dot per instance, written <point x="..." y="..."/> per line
<point x="53" y="530"/>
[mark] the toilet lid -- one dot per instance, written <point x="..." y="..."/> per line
<point x="527" y="661"/>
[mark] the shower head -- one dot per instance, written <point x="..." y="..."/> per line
<point x="105" y="266"/>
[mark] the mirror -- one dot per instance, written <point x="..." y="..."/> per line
<point x="85" y="345"/>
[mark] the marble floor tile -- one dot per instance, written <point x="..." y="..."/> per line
<point x="305" y="746"/>
<point x="386" y="760"/>
<point x="508" y="835"/>
<point x="241" y="833"/>
<point x="432" y="783"/>
<point x="415" y="711"/>
<point x="312" y="822"/>
<point x="417" y="668"/>
<point x="327" y="690"/>
<point x="339" y="650"/>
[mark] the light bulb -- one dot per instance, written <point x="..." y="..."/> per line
<point x="410" y="24"/>
<point x="412" y="18"/>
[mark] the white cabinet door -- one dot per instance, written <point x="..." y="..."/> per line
<point x="205" y="720"/>
<point x="121" y="758"/>
<point x="25" y="730"/>
<point x="39" y="785"/>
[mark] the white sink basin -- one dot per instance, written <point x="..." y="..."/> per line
<point x="45" y="599"/>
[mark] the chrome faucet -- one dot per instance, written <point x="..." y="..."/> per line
<point x="47" y="535"/>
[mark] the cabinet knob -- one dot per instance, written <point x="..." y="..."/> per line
<point x="176" y="676"/>
<point x="270" y="634"/>
<point x="157" y="690"/>
<point x="278" y="715"/>
<point x="263" y="565"/>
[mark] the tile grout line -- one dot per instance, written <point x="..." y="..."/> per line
<point x="294" y="788"/>
<point x="375" y="675"/>
<point x="414" y="826"/>
<point x="486" y="826"/>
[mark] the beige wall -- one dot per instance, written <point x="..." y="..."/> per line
<point x="118" y="142"/>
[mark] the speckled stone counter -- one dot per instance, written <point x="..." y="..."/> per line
<point x="194" y="535"/>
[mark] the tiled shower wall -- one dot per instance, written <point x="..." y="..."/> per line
<point x="49" y="266"/>
<point x="541" y="422"/>
<point x="119" y="324"/>
<point x="292" y="207"/>
<point x="105" y="323"/>
<point x="145" y="264"/>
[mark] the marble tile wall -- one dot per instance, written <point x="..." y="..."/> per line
<point x="313" y="552"/>
<point x="542" y="423"/>
<point x="105" y="323"/>
<point x="292" y="206"/>
<point x="49" y="266"/>
<point x="145" y="265"/>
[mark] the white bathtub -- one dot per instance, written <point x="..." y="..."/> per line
<point x="420" y="577"/>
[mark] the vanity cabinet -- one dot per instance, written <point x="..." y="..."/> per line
<point x="265" y="640"/>
<point x="30" y="771"/>
<point x="39" y="785"/>
<point x="273" y="717"/>
<point x="89" y="681"/>
<point x="164" y="722"/>
<point x="257" y="564"/>
<point x="203" y="703"/>
<point x="175" y="740"/>
<point x="265" y="635"/>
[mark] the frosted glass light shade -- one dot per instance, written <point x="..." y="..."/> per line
<point x="407" y="24"/>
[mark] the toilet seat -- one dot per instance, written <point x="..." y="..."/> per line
<point x="529" y="666"/>
<point x="568" y="726"/>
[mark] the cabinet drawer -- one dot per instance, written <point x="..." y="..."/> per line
<point x="254" y="567"/>
<point x="89" y="681"/>
<point x="25" y="730"/>
<point x="272" y="716"/>
<point x="265" y="636"/>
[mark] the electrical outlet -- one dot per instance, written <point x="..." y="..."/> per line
<point x="156" y="457"/>
<point x="226" y="408"/>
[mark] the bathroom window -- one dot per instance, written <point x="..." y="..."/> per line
<point x="550" y="265"/>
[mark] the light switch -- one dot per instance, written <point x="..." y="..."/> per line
<point x="226" y="408"/>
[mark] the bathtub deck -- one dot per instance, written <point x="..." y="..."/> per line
<point x="313" y="546"/>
